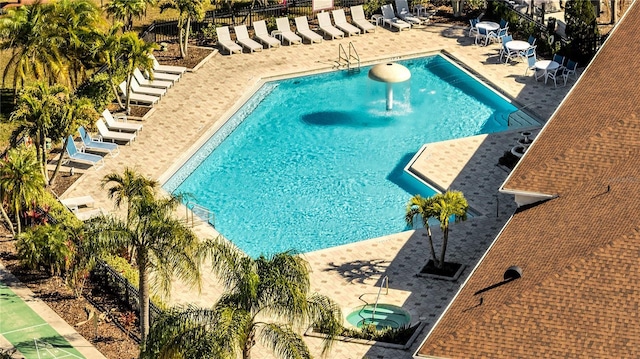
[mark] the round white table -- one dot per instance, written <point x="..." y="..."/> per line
<point x="546" y="66"/>
<point x="517" y="45"/>
<point x="488" y="25"/>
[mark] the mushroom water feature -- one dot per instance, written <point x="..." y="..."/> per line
<point x="389" y="73"/>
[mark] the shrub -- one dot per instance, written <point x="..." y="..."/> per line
<point x="98" y="90"/>
<point x="47" y="246"/>
<point x="128" y="272"/>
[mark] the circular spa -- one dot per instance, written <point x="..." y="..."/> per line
<point x="381" y="315"/>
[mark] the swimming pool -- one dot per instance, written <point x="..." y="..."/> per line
<point x="317" y="161"/>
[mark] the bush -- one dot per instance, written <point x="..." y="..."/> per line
<point x="388" y="335"/>
<point x="122" y="266"/>
<point x="373" y="7"/>
<point x="47" y="246"/>
<point x="98" y="90"/>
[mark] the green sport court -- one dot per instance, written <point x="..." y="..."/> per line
<point x="28" y="332"/>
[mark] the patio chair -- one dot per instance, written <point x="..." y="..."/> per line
<point x="90" y="144"/>
<point x="531" y="60"/>
<point x="389" y="18"/>
<point x="123" y="126"/>
<point x="302" y="28"/>
<point x="325" y="25"/>
<point x="358" y="19"/>
<point x="553" y="75"/>
<point x="76" y="156"/>
<point x="402" y="10"/>
<point x="150" y="83"/>
<point x="224" y="40"/>
<point x="113" y="136"/>
<point x="340" y="19"/>
<point x="178" y="70"/>
<point x="262" y="34"/>
<point x="570" y="69"/>
<point x="504" y="24"/>
<point x="473" y="30"/>
<point x="531" y="40"/>
<point x="87" y="215"/>
<point x="504" y="50"/>
<point x="284" y="31"/>
<point x="136" y="97"/>
<point x="242" y="36"/>
<point x="497" y="36"/>
<point x="559" y="59"/>
<point x="483" y="36"/>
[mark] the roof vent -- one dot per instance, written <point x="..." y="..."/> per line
<point x="513" y="272"/>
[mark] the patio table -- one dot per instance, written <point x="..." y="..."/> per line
<point x="546" y="66"/>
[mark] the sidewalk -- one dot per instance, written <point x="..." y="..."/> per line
<point x="34" y="329"/>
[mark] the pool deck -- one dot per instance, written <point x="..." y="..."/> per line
<point x="199" y="103"/>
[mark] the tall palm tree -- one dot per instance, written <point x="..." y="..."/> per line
<point x="163" y="247"/>
<point x="188" y="9"/>
<point x="126" y="10"/>
<point x="21" y="180"/>
<point x="107" y="50"/>
<point x="39" y="110"/>
<point x="136" y="53"/>
<point x="265" y="299"/>
<point x="25" y="31"/>
<point x="75" y="112"/>
<point x="128" y="187"/>
<point x="76" y="24"/>
<point x="442" y="206"/>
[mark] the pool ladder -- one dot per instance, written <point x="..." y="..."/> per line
<point x="348" y="58"/>
<point x="195" y="210"/>
<point x="384" y="283"/>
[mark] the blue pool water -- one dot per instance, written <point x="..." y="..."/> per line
<point x="317" y="161"/>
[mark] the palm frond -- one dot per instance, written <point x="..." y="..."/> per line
<point x="283" y="341"/>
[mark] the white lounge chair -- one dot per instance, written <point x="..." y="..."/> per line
<point x="89" y="143"/>
<point x="340" y="19"/>
<point x="83" y="201"/>
<point x="262" y="34"/>
<point x="179" y="70"/>
<point x="77" y="156"/>
<point x="224" y="40"/>
<point x="113" y="136"/>
<point x="389" y="18"/>
<point x="302" y="28"/>
<point x="150" y="83"/>
<point x="358" y="18"/>
<point x="162" y="76"/>
<point x="284" y="31"/>
<point x="136" y="97"/>
<point x="87" y="214"/>
<point x="402" y="9"/>
<point x="112" y="124"/>
<point x="242" y="35"/>
<point x="324" y="23"/>
<point x="137" y="88"/>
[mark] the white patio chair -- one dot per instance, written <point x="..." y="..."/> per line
<point x="358" y="19"/>
<point x="224" y="39"/>
<point x="325" y="25"/>
<point x="262" y="34"/>
<point x="302" y="28"/>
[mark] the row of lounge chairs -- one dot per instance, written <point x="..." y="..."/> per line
<point x="147" y="91"/>
<point x="336" y="30"/>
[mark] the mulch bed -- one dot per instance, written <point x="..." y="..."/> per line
<point x="171" y="56"/>
<point x="106" y="337"/>
<point x="448" y="269"/>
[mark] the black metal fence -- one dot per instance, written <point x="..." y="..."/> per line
<point x="107" y="277"/>
<point x="167" y="30"/>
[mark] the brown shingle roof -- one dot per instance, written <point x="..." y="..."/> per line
<point x="578" y="295"/>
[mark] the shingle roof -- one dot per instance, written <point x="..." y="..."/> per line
<point x="579" y="252"/>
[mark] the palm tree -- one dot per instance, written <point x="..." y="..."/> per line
<point x="136" y="53"/>
<point x="188" y="9"/>
<point x="25" y="31"/>
<point x="21" y="180"/>
<point x="107" y="51"/>
<point x="126" y="10"/>
<point x="128" y="187"/>
<point x="74" y="113"/>
<point x="163" y="247"/>
<point x="39" y="110"/>
<point x="265" y="299"/>
<point x="447" y="205"/>
<point x="442" y="207"/>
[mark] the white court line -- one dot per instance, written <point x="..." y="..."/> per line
<point x="48" y="347"/>
<point x="19" y="330"/>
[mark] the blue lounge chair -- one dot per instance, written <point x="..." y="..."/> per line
<point x="91" y="144"/>
<point x="77" y="156"/>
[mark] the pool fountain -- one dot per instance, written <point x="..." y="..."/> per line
<point x="389" y="73"/>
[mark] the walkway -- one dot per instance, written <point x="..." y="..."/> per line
<point x="33" y="328"/>
<point x="199" y="103"/>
